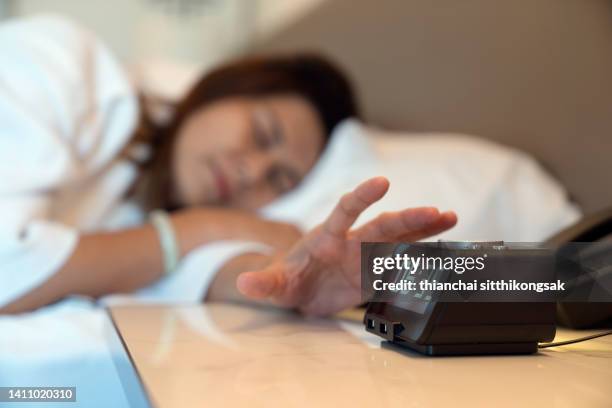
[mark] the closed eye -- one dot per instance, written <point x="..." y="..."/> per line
<point x="261" y="136"/>
<point x="262" y="140"/>
<point x="283" y="178"/>
<point x="266" y="130"/>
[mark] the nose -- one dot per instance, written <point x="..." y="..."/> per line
<point x="254" y="168"/>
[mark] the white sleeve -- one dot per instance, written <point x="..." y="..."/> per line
<point x="66" y="110"/>
<point x="194" y="275"/>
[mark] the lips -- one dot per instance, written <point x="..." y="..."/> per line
<point x="221" y="182"/>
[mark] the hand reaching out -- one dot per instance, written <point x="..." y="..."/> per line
<point x="321" y="273"/>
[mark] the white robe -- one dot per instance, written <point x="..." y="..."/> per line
<point x="66" y="111"/>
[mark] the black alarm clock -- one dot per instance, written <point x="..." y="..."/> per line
<point x="436" y="326"/>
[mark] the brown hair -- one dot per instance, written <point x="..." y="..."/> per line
<point x="310" y="76"/>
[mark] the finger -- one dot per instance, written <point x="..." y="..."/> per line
<point x="444" y="222"/>
<point x="352" y="204"/>
<point x="410" y="224"/>
<point x="261" y="284"/>
<point x="391" y="225"/>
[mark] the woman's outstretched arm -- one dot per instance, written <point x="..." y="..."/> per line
<point x="319" y="274"/>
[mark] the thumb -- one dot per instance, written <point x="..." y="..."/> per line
<point x="261" y="284"/>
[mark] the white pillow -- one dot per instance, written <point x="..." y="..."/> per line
<point x="498" y="193"/>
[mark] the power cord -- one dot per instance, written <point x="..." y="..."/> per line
<point x="578" y="340"/>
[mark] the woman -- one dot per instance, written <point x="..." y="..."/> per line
<point x="77" y="177"/>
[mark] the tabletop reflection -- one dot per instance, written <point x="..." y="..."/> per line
<point x="71" y="344"/>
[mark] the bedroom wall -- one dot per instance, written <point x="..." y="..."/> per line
<point x="189" y="31"/>
<point x="534" y="74"/>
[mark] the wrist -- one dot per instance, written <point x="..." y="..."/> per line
<point x="188" y="227"/>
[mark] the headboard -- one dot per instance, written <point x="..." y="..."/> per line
<point x="534" y="74"/>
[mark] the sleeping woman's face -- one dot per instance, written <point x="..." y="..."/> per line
<point x="244" y="152"/>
